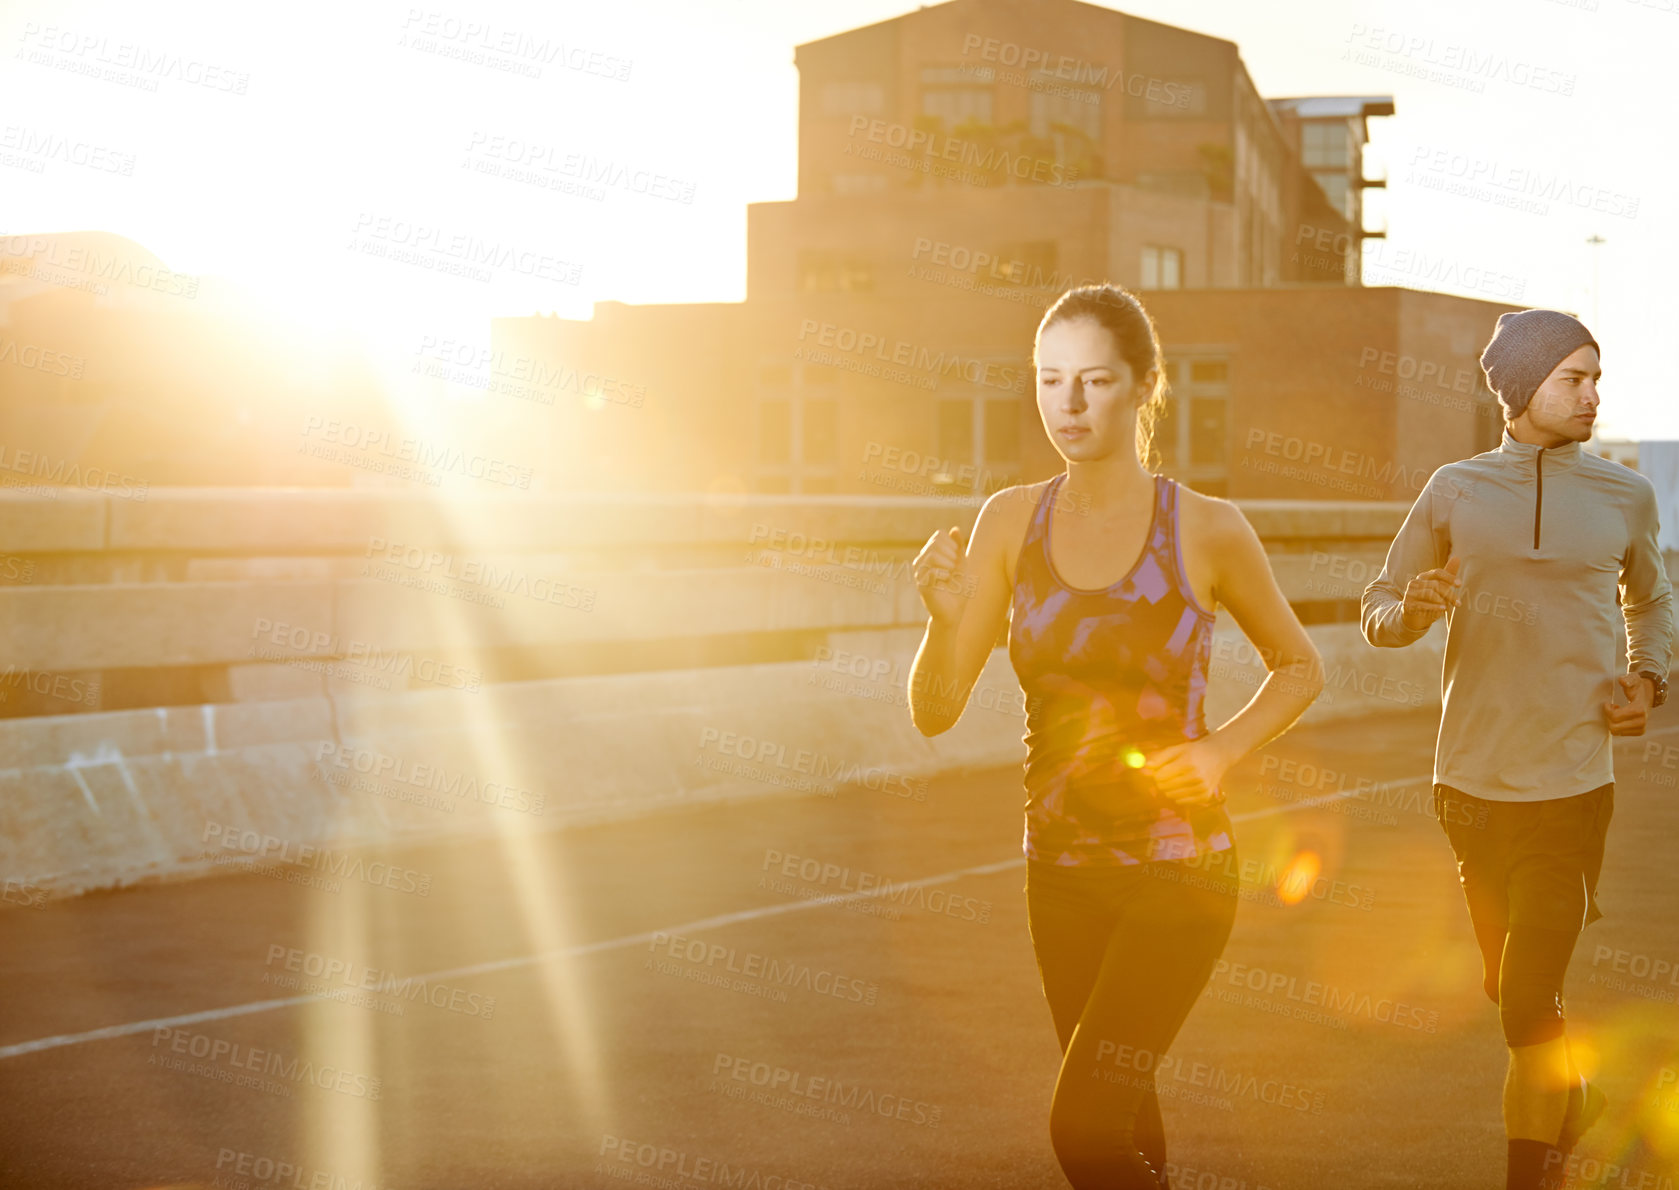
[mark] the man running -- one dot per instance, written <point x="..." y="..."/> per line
<point x="1522" y="549"/>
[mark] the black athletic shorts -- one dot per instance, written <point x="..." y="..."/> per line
<point x="1528" y="863"/>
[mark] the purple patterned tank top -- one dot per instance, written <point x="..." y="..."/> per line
<point x="1107" y="675"/>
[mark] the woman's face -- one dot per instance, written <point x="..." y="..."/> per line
<point x="1087" y="395"/>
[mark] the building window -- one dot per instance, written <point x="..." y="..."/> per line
<point x="1068" y="126"/>
<point x="951" y="94"/>
<point x="820" y="431"/>
<point x="1002" y="432"/>
<point x="1326" y="143"/>
<point x="833" y="272"/>
<point x="852" y="99"/>
<point x="1207" y="429"/>
<point x="978" y="446"/>
<point x="1193" y="435"/>
<point x="957" y="106"/>
<point x="816" y="428"/>
<point x="1162" y="268"/>
<point x="1053" y="112"/>
<point x="956" y="432"/>
<point x="798" y="427"/>
<point x="775" y="431"/>
<point x="1338" y="190"/>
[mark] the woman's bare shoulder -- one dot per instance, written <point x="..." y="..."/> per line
<point x="1008" y="511"/>
<point x="1019" y="495"/>
<point x="1210" y="519"/>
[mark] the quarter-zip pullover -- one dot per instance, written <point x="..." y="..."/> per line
<point x="1546" y="538"/>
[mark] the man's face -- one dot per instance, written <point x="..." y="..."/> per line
<point x="1565" y="407"/>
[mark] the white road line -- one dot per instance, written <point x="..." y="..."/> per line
<point x="705" y="923"/>
<point x="20" y="1048"/>
<point x="1393" y="783"/>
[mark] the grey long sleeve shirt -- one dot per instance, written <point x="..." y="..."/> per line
<point x="1545" y="537"/>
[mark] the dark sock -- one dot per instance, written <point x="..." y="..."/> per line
<point x="1534" y="1165"/>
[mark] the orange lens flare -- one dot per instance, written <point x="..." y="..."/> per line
<point x="1297" y="878"/>
<point x="1583" y="1048"/>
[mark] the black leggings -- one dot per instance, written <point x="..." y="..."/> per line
<point x="1123" y="953"/>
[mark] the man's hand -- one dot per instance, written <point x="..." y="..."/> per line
<point x="1431" y="594"/>
<point x="1629" y="720"/>
<point x="1188" y="773"/>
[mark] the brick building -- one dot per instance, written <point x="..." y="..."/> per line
<point x="960" y="166"/>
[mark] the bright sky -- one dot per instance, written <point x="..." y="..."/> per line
<point x="353" y="129"/>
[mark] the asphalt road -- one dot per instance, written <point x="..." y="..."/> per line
<point x="664" y="1001"/>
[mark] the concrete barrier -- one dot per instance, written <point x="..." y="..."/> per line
<point x="380" y="665"/>
<point x="111" y="799"/>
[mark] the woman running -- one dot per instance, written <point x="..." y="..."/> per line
<point x="1128" y="898"/>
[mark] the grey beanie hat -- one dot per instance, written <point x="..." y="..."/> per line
<point x="1526" y="345"/>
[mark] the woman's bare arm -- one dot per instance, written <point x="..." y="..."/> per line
<point x="966" y="611"/>
<point x="1245" y="583"/>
